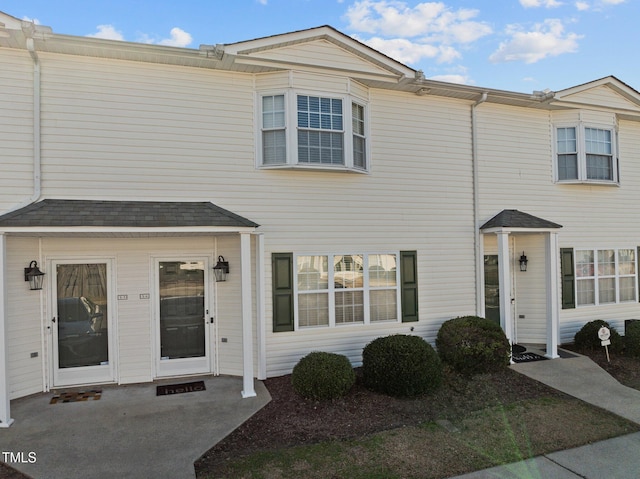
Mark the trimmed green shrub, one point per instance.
(632, 339)
(587, 338)
(473, 345)
(401, 365)
(321, 375)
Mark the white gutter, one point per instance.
(29, 29)
(476, 209)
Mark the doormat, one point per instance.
(76, 396)
(168, 389)
(527, 358)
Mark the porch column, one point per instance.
(504, 280)
(5, 413)
(247, 322)
(553, 295)
(260, 302)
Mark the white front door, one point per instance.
(82, 333)
(182, 318)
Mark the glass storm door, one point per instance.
(491, 288)
(81, 325)
(182, 315)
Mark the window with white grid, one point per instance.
(605, 276)
(342, 289)
(313, 131)
(585, 154)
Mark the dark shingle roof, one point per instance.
(518, 219)
(138, 214)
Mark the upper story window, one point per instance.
(586, 154)
(316, 131)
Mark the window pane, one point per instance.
(349, 307)
(320, 147)
(348, 271)
(274, 147)
(312, 273)
(313, 309)
(606, 262)
(627, 261)
(628, 289)
(599, 167)
(584, 263)
(607, 290)
(567, 142)
(382, 270)
(568, 167)
(273, 111)
(586, 291)
(597, 141)
(383, 305)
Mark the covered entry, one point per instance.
(129, 294)
(524, 297)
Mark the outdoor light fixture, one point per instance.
(523, 262)
(34, 276)
(221, 269)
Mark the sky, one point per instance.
(514, 45)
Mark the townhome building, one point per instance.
(225, 210)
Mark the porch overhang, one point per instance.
(122, 219)
(510, 222)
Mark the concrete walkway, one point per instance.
(617, 458)
(129, 433)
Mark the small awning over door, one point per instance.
(53, 213)
(509, 222)
(518, 219)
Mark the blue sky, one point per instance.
(516, 45)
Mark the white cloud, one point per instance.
(430, 19)
(409, 52)
(179, 38)
(453, 78)
(107, 32)
(540, 3)
(408, 34)
(545, 40)
(582, 6)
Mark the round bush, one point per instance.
(473, 345)
(321, 375)
(632, 339)
(587, 338)
(401, 365)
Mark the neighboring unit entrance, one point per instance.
(182, 317)
(82, 336)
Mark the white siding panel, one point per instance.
(320, 53)
(409, 202)
(24, 321)
(16, 127)
(602, 96)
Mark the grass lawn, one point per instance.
(469, 424)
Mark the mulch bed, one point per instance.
(291, 420)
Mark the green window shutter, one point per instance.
(282, 273)
(567, 271)
(409, 285)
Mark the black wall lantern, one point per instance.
(221, 269)
(523, 262)
(34, 276)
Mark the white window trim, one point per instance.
(582, 156)
(596, 277)
(291, 128)
(331, 290)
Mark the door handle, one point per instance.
(53, 320)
